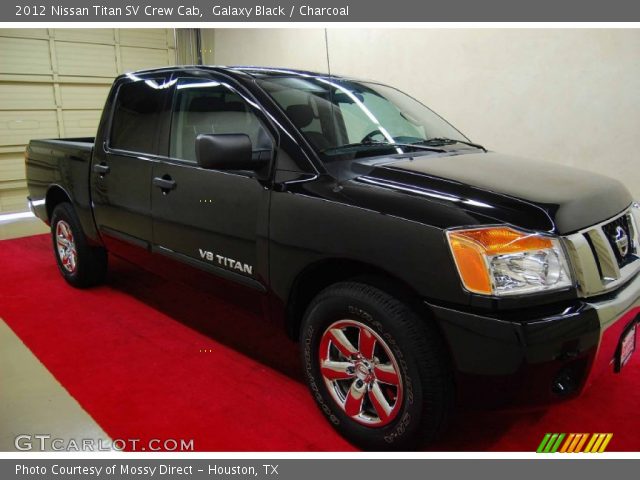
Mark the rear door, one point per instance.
(122, 165)
(214, 220)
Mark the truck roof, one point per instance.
(241, 70)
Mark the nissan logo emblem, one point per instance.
(621, 240)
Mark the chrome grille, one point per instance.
(619, 234)
(598, 262)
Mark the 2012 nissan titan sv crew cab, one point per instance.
(418, 270)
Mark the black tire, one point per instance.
(426, 385)
(90, 266)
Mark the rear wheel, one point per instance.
(378, 371)
(81, 264)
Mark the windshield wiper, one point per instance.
(449, 141)
(384, 144)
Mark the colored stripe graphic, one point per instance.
(574, 443)
(568, 442)
(556, 445)
(591, 442)
(573, 448)
(596, 445)
(606, 441)
(550, 443)
(582, 442)
(599, 443)
(544, 441)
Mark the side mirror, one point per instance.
(228, 151)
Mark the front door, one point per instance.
(214, 220)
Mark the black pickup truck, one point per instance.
(418, 270)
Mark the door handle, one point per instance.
(101, 169)
(166, 183)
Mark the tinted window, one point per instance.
(136, 116)
(209, 107)
(346, 119)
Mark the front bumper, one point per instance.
(501, 361)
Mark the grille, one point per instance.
(618, 234)
(600, 261)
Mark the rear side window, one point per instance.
(136, 116)
(210, 107)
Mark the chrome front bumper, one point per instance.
(599, 276)
(615, 315)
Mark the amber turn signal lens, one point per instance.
(471, 265)
(472, 248)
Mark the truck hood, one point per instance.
(530, 194)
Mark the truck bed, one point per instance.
(64, 144)
(63, 163)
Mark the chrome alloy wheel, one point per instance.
(361, 373)
(66, 246)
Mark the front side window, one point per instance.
(347, 119)
(210, 107)
(136, 116)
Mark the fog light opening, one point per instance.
(566, 382)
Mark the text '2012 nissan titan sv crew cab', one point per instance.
(418, 270)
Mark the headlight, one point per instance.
(504, 261)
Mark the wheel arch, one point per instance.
(55, 196)
(319, 275)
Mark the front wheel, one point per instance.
(378, 371)
(81, 264)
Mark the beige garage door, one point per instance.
(54, 82)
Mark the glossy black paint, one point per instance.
(225, 152)
(510, 360)
(533, 195)
(122, 197)
(301, 226)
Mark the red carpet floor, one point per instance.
(131, 354)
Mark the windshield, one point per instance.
(345, 119)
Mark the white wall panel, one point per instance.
(80, 123)
(13, 200)
(146, 37)
(55, 82)
(24, 55)
(18, 127)
(11, 166)
(87, 60)
(26, 96)
(24, 32)
(84, 96)
(86, 35)
(134, 58)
